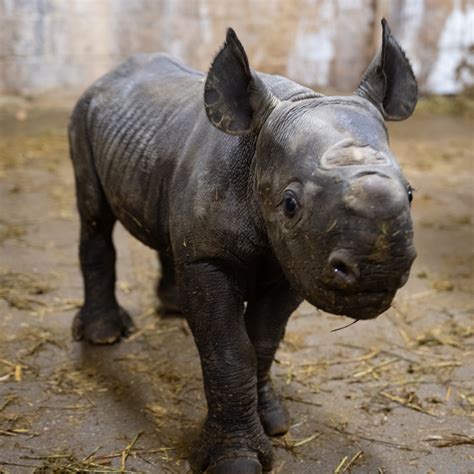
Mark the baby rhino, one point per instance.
(257, 193)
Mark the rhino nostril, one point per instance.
(344, 271)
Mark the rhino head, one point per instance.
(333, 199)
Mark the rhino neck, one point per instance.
(254, 205)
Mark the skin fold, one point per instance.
(257, 193)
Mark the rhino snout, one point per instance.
(343, 271)
(374, 194)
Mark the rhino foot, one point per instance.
(102, 327)
(221, 452)
(273, 414)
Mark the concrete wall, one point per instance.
(48, 45)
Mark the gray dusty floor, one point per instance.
(393, 395)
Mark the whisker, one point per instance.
(346, 326)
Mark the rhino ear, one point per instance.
(389, 81)
(236, 100)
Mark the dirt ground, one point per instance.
(394, 395)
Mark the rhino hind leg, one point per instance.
(100, 320)
(167, 289)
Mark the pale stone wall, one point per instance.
(48, 45)
(438, 36)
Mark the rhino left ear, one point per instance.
(389, 81)
(236, 100)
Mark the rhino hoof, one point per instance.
(102, 327)
(276, 422)
(272, 412)
(236, 466)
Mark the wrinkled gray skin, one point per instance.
(264, 192)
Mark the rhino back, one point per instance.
(138, 116)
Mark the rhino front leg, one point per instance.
(266, 319)
(232, 440)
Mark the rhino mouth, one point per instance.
(361, 305)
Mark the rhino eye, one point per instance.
(410, 193)
(290, 204)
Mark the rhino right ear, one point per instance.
(236, 100)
